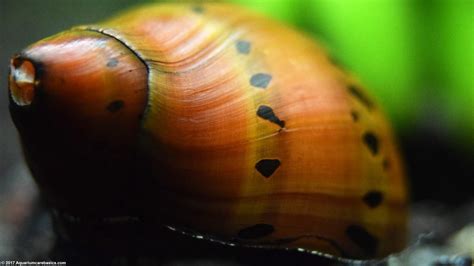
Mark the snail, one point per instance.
(213, 120)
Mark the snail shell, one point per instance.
(224, 123)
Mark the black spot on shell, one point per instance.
(373, 198)
(372, 142)
(256, 231)
(243, 47)
(115, 106)
(361, 96)
(366, 241)
(267, 167)
(267, 113)
(112, 62)
(198, 9)
(260, 80)
(355, 116)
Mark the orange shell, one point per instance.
(252, 134)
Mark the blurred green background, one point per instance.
(416, 57)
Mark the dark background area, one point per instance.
(434, 116)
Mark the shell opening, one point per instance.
(22, 81)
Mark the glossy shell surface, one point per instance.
(250, 133)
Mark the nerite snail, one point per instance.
(225, 123)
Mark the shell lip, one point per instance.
(233, 242)
(140, 221)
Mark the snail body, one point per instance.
(225, 123)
